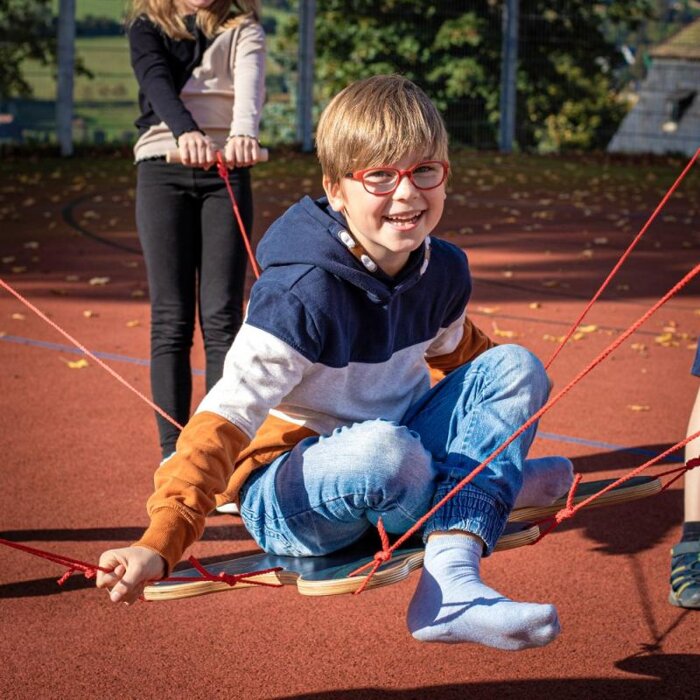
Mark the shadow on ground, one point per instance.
(652, 676)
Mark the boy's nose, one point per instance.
(405, 188)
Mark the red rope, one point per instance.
(223, 173)
(570, 509)
(90, 570)
(229, 579)
(624, 257)
(81, 347)
(74, 565)
(378, 559)
(535, 417)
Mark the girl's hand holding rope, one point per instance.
(242, 151)
(196, 149)
(131, 568)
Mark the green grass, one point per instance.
(106, 105)
(112, 9)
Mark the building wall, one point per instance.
(649, 128)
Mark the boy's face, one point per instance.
(390, 226)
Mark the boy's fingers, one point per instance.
(107, 580)
(115, 570)
(129, 587)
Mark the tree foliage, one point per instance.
(566, 80)
(26, 32)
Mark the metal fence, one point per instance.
(652, 103)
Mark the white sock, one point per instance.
(544, 481)
(452, 605)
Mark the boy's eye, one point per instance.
(427, 169)
(379, 176)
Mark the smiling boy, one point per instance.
(324, 419)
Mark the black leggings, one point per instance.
(195, 256)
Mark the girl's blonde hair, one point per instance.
(220, 15)
(378, 121)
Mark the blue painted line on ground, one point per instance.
(60, 347)
(606, 446)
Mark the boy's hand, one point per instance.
(131, 569)
(241, 151)
(196, 149)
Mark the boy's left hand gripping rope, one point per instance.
(90, 570)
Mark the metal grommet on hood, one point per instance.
(347, 239)
(368, 263)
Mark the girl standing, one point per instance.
(200, 66)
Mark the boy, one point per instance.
(324, 419)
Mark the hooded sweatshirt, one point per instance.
(328, 340)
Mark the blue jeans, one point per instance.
(327, 491)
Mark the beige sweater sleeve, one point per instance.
(248, 65)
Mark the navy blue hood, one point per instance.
(308, 234)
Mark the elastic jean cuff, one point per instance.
(471, 510)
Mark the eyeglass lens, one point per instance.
(424, 176)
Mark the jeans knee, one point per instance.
(522, 365)
(389, 455)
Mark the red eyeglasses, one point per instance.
(426, 175)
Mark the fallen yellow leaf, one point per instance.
(78, 364)
(503, 333)
(637, 408)
(666, 340)
(535, 305)
(133, 324)
(591, 328)
(487, 309)
(18, 317)
(89, 314)
(99, 281)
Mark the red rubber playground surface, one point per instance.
(79, 450)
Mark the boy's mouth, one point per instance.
(404, 220)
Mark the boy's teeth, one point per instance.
(403, 218)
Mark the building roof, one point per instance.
(685, 44)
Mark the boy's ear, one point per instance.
(334, 194)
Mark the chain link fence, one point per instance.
(636, 93)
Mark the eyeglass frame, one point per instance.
(359, 176)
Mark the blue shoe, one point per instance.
(685, 575)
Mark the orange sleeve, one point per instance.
(186, 484)
(473, 342)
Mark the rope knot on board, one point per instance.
(234, 579)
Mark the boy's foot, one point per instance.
(228, 509)
(452, 605)
(685, 575)
(545, 479)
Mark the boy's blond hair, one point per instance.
(211, 20)
(378, 121)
